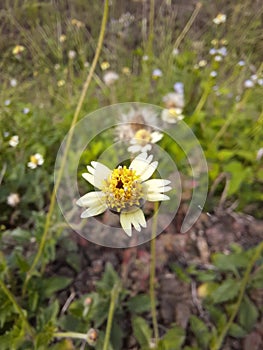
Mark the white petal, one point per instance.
(91, 169)
(101, 173)
(157, 185)
(93, 211)
(156, 136)
(148, 171)
(134, 148)
(91, 199)
(135, 218)
(146, 148)
(89, 178)
(126, 223)
(155, 197)
(143, 166)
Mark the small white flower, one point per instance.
(136, 119)
(220, 18)
(260, 153)
(172, 115)
(13, 82)
(202, 63)
(179, 87)
(218, 58)
(14, 141)
(7, 102)
(174, 100)
(248, 83)
(222, 51)
(13, 199)
(57, 66)
(213, 74)
(145, 58)
(212, 51)
(175, 52)
(143, 140)
(124, 190)
(260, 82)
(72, 54)
(157, 73)
(241, 63)
(110, 78)
(26, 110)
(254, 77)
(35, 160)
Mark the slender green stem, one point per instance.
(152, 273)
(16, 306)
(244, 282)
(68, 143)
(201, 102)
(188, 25)
(151, 29)
(73, 335)
(114, 297)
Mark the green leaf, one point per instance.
(142, 331)
(173, 339)
(248, 314)
(236, 331)
(228, 290)
(230, 262)
(54, 284)
(109, 279)
(138, 304)
(236, 169)
(201, 332)
(257, 278)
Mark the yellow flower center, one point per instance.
(143, 137)
(33, 160)
(123, 189)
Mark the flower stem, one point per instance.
(244, 282)
(152, 273)
(16, 307)
(188, 25)
(73, 335)
(68, 143)
(114, 297)
(151, 29)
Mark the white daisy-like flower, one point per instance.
(222, 51)
(13, 199)
(220, 18)
(218, 58)
(172, 115)
(35, 160)
(241, 63)
(174, 100)
(143, 140)
(14, 141)
(110, 78)
(213, 74)
(124, 190)
(133, 121)
(72, 54)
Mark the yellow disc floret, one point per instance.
(123, 189)
(143, 137)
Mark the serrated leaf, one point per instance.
(173, 339)
(201, 331)
(248, 314)
(139, 303)
(228, 290)
(142, 331)
(236, 331)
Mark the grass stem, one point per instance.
(68, 143)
